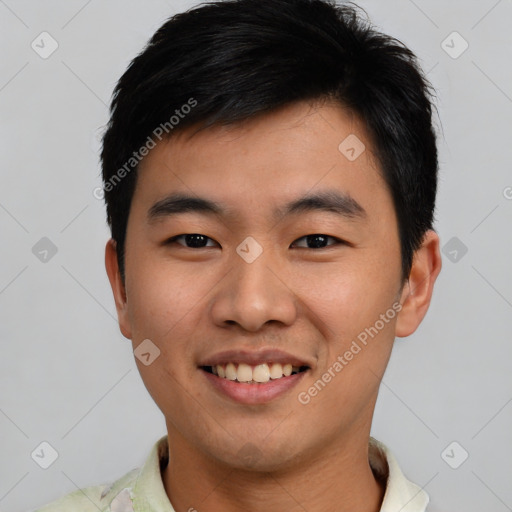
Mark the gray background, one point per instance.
(68, 377)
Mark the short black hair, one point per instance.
(224, 62)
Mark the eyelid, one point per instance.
(337, 240)
(174, 239)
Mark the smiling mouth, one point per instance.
(257, 374)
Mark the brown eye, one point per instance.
(192, 240)
(317, 241)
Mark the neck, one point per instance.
(338, 479)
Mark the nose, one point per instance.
(254, 294)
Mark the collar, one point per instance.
(401, 495)
(148, 494)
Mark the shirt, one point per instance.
(142, 490)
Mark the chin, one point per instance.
(257, 457)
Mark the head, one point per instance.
(266, 129)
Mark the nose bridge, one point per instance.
(253, 293)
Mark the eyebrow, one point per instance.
(331, 201)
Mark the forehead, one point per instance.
(270, 160)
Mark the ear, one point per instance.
(118, 288)
(417, 292)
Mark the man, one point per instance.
(270, 173)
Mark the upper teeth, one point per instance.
(259, 373)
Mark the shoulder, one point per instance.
(95, 498)
(135, 490)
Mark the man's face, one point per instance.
(255, 288)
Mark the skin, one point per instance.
(310, 302)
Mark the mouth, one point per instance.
(253, 377)
(254, 374)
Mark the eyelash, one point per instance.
(337, 240)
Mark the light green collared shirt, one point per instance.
(142, 490)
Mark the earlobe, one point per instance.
(417, 292)
(118, 288)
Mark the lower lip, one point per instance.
(253, 394)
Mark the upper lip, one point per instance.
(254, 358)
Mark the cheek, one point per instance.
(348, 307)
(164, 303)
(162, 296)
(349, 295)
